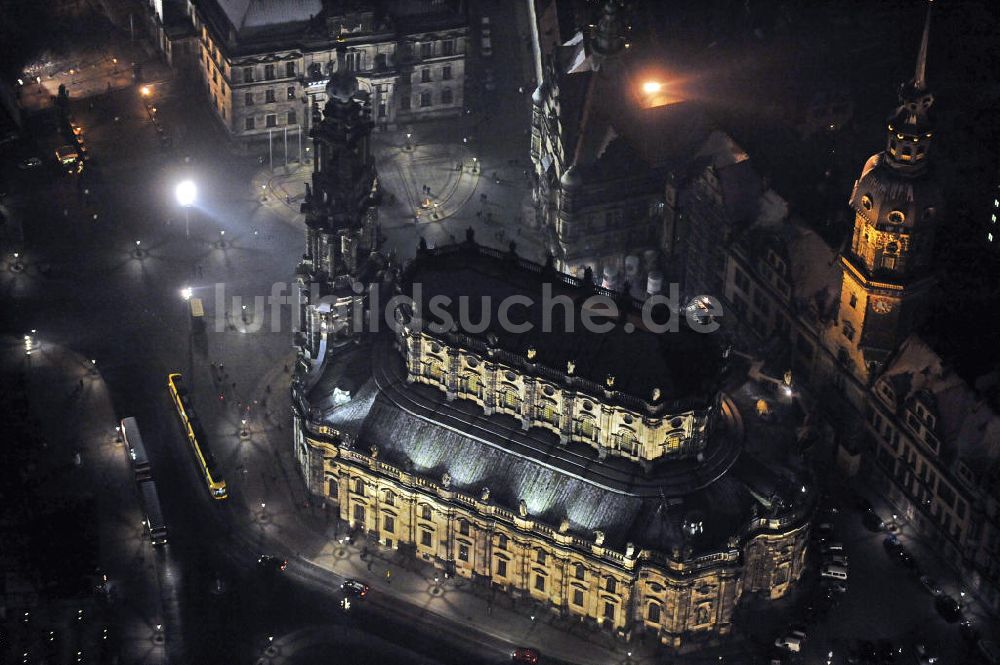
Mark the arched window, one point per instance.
(702, 615)
(581, 572)
(359, 486)
(653, 612)
(425, 512)
(611, 585)
(463, 527)
(540, 557)
(390, 498)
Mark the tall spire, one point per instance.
(919, 80)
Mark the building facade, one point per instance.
(265, 65)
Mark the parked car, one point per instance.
(838, 559)
(833, 571)
(948, 608)
(791, 641)
(930, 584)
(872, 521)
(524, 655)
(840, 586)
(29, 163)
(354, 588)
(833, 548)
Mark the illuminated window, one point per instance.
(989, 237)
(463, 552)
(993, 218)
(866, 201)
(896, 217)
(854, 301)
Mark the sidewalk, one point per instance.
(63, 382)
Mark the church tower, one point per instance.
(341, 217)
(887, 272)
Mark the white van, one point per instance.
(834, 572)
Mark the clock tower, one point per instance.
(887, 272)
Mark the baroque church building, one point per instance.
(600, 475)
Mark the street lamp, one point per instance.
(138, 249)
(652, 87)
(186, 194)
(186, 293)
(145, 90)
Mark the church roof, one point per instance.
(414, 427)
(683, 365)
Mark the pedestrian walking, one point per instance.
(267, 388)
(234, 385)
(388, 576)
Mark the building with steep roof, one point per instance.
(935, 453)
(266, 63)
(524, 428)
(605, 139)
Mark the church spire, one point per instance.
(910, 129)
(919, 76)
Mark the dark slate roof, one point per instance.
(414, 427)
(684, 365)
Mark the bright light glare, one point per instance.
(186, 293)
(186, 193)
(145, 91)
(652, 87)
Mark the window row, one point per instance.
(426, 99)
(271, 120)
(426, 75)
(270, 97)
(249, 73)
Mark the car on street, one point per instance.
(833, 572)
(355, 588)
(271, 564)
(524, 655)
(929, 583)
(791, 641)
(872, 521)
(948, 608)
(840, 586)
(833, 548)
(29, 163)
(837, 559)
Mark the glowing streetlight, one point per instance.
(652, 87)
(186, 293)
(146, 91)
(186, 193)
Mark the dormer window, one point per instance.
(896, 217)
(866, 201)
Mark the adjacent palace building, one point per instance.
(600, 475)
(265, 64)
